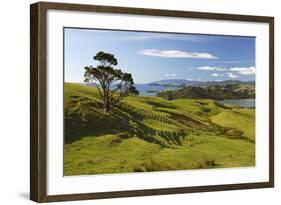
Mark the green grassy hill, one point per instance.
(216, 92)
(153, 134)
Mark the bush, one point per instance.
(222, 105)
(202, 102)
(139, 168)
(152, 165)
(124, 135)
(206, 163)
(206, 109)
(234, 132)
(119, 137)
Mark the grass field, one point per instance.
(153, 134)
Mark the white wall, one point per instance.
(14, 101)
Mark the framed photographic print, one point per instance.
(134, 102)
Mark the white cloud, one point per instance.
(213, 68)
(235, 61)
(231, 75)
(176, 54)
(170, 75)
(244, 70)
(216, 75)
(239, 70)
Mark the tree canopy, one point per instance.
(112, 84)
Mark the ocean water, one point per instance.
(250, 103)
(145, 89)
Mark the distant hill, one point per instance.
(216, 92)
(176, 82)
(184, 82)
(151, 89)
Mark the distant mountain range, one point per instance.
(151, 89)
(184, 82)
(216, 92)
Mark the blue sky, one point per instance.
(157, 56)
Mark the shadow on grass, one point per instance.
(85, 117)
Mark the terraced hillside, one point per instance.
(153, 134)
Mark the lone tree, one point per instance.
(112, 84)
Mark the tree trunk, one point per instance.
(106, 105)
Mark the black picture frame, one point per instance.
(38, 103)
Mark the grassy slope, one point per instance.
(243, 119)
(152, 134)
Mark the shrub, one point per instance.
(206, 163)
(234, 132)
(152, 165)
(206, 109)
(139, 168)
(124, 135)
(119, 137)
(115, 140)
(222, 105)
(202, 102)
